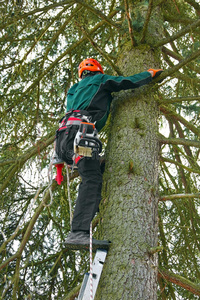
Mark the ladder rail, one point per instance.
(97, 267)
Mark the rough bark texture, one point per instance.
(129, 203)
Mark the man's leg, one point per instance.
(87, 204)
(89, 195)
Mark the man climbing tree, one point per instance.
(93, 95)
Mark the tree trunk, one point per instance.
(130, 193)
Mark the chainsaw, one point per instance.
(86, 142)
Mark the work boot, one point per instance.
(78, 240)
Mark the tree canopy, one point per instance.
(42, 44)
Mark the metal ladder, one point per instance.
(98, 262)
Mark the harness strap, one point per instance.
(73, 121)
(77, 158)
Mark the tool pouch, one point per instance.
(65, 135)
(65, 141)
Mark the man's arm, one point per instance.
(118, 83)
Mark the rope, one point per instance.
(69, 198)
(91, 270)
(50, 175)
(50, 178)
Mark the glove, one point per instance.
(155, 73)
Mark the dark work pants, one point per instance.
(89, 194)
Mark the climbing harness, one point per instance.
(75, 138)
(65, 134)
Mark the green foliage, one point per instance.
(42, 43)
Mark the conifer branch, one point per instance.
(15, 18)
(179, 196)
(148, 15)
(17, 232)
(188, 155)
(178, 34)
(16, 278)
(9, 285)
(86, 33)
(180, 281)
(179, 99)
(191, 81)
(133, 40)
(178, 57)
(97, 12)
(178, 141)
(172, 43)
(181, 64)
(187, 149)
(171, 161)
(56, 62)
(194, 4)
(181, 20)
(61, 29)
(154, 250)
(43, 31)
(171, 177)
(29, 228)
(73, 293)
(177, 154)
(43, 261)
(167, 111)
(18, 164)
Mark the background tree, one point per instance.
(42, 43)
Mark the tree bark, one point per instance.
(130, 193)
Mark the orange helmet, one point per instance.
(89, 64)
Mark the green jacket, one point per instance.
(93, 93)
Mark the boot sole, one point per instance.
(86, 247)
